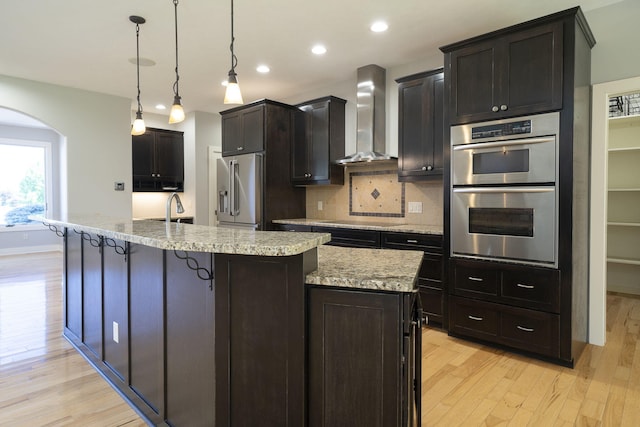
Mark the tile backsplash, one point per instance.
(372, 193)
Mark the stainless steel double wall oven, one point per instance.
(504, 190)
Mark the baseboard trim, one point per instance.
(30, 249)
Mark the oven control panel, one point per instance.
(501, 129)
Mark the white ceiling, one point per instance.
(88, 44)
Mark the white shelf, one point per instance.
(624, 189)
(622, 121)
(626, 261)
(623, 149)
(624, 224)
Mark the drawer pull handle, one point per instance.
(476, 279)
(522, 328)
(411, 241)
(479, 319)
(520, 285)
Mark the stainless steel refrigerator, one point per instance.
(240, 191)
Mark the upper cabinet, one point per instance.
(513, 74)
(420, 125)
(243, 130)
(158, 160)
(318, 142)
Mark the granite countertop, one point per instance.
(195, 238)
(378, 269)
(364, 225)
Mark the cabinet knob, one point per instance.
(429, 167)
(503, 107)
(240, 148)
(495, 109)
(424, 168)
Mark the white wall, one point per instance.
(96, 150)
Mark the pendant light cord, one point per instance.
(176, 88)
(234, 59)
(138, 64)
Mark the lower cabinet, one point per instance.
(260, 340)
(363, 359)
(92, 297)
(190, 361)
(73, 283)
(511, 305)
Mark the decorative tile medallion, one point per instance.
(376, 193)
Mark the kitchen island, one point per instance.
(198, 325)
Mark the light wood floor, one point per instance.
(44, 382)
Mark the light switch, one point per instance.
(319, 205)
(415, 207)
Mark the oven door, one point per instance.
(506, 223)
(517, 161)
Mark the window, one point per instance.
(25, 182)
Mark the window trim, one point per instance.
(48, 179)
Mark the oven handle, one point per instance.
(511, 143)
(505, 190)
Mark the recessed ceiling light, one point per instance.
(263, 69)
(379, 27)
(319, 49)
(161, 107)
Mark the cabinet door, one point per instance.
(473, 76)
(252, 130)
(300, 148)
(190, 349)
(231, 133)
(169, 155)
(421, 127)
(146, 325)
(143, 155)
(319, 140)
(531, 71)
(354, 358)
(92, 293)
(116, 312)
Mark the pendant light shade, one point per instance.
(232, 94)
(177, 112)
(138, 127)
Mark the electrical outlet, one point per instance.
(118, 186)
(415, 207)
(116, 338)
(319, 205)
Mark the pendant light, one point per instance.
(138, 127)
(177, 112)
(232, 94)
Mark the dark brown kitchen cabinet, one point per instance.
(243, 129)
(190, 367)
(146, 325)
(350, 237)
(517, 73)
(260, 339)
(431, 286)
(158, 160)
(361, 358)
(116, 307)
(73, 282)
(92, 296)
(420, 125)
(318, 142)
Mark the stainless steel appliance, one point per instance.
(240, 192)
(504, 198)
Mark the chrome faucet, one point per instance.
(179, 208)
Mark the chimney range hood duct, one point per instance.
(370, 115)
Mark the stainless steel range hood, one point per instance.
(370, 115)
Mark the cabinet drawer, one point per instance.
(431, 300)
(474, 318)
(291, 227)
(351, 238)
(430, 273)
(474, 279)
(412, 241)
(530, 330)
(533, 288)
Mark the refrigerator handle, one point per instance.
(231, 187)
(235, 201)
